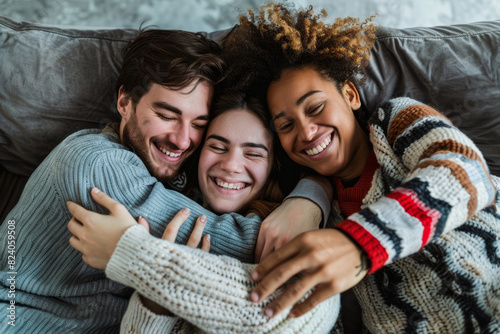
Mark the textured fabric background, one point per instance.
(209, 15)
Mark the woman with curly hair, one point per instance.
(415, 224)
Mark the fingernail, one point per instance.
(291, 315)
(254, 296)
(140, 217)
(95, 190)
(185, 211)
(208, 237)
(203, 218)
(255, 275)
(269, 312)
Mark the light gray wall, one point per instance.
(209, 15)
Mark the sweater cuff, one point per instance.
(314, 192)
(125, 252)
(374, 250)
(138, 319)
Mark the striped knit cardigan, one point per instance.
(429, 221)
(427, 225)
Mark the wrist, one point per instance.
(154, 307)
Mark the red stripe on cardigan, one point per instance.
(414, 207)
(373, 248)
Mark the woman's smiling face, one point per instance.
(315, 122)
(235, 161)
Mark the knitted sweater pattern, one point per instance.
(206, 293)
(56, 292)
(429, 223)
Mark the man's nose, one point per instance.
(180, 137)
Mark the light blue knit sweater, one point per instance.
(55, 291)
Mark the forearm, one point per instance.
(318, 190)
(211, 292)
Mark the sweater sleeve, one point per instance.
(210, 292)
(98, 160)
(438, 176)
(138, 319)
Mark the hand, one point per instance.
(170, 234)
(327, 260)
(294, 216)
(96, 235)
(175, 224)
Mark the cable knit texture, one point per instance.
(210, 292)
(433, 195)
(56, 292)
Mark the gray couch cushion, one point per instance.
(456, 69)
(55, 81)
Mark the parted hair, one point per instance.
(277, 38)
(171, 58)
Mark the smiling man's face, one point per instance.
(166, 126)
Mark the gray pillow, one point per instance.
(55, 81)
(456, 69)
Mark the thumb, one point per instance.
(142, 221)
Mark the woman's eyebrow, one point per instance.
(298, 103)
(305, 96)
(217, 137)
(256, 145)
(247, 144)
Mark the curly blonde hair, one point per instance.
(265, 44)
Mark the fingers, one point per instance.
(75, 227)
(275, 259)
(194, 239)
(205, 243)
(76, 244)
(292, 294)
(106, 201)
(173, 227)
(77, 211)
(320, 294)
(142, 221)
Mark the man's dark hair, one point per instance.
(171, 58)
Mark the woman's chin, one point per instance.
(222, 208)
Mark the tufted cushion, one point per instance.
(55, 81)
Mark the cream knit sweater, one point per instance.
(209, 292)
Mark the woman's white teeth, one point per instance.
(232, 186)
(320, 147)
(170, 154)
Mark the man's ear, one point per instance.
(351, 95)
(124, 104)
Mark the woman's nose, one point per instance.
(232, 163)
(307, 130)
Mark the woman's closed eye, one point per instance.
(217, 148)
(316, 110)
(254, 155)
(284, 126)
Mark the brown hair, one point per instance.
(171, 58)
(278, 38)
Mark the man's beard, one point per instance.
(135, 141)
